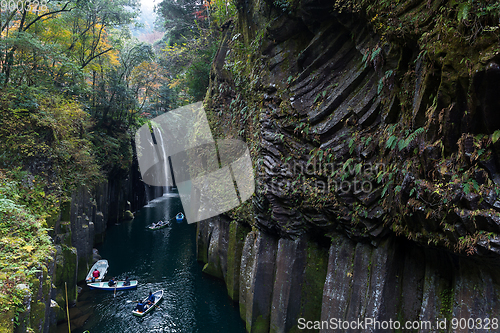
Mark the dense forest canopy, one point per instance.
(84, 52)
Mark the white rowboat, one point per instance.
(118, 286)
(102, 267)
(149, 307)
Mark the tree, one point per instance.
(182, 20)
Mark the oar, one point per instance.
(116, 285)
(67, 308)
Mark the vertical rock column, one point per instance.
(237, 234)
(213, 267)
(287, 289)
(101, 212)
(214, 238)
(82, 237)
(259, 277)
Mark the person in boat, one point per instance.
(95, 274)
(140, 307)
(111, 282)
(151, 298)
(127, 281)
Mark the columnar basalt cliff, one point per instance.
(374, 138)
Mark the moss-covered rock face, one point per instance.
(66, 271)
(128, 215)
(372, 126)
(371, 118)
(7, 322)
(237, 234)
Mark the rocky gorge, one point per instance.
(80, 224)
(373, 134)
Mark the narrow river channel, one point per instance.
(162, 259)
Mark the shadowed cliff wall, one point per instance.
(373, 137)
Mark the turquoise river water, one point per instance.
(162, 259)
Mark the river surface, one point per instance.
(162, 259)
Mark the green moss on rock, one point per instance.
(237, 233)
(7, 321)
(261, 325)
(210, 269)
(37, 316)
(314, 279)
(66, 210)
(66, 259)
(83, 267)
(128, 215)
(201, 242)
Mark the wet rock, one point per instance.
(487, 221)
(202, 240)
(360, 282)
(471, 201)
(437, 286)
(213, 265)
(246, 273)
(287, 289)
(259, 296)
(466, 217)
(475, 291)
(339, 279)
(128, 215)
(489, 246)
(237, 234)
(66, 271)
(383, 277)
(23, 319)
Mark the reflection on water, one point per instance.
(162, 259)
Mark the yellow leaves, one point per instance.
(174, 83)
(28, 248)
(113, 57)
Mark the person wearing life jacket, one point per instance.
(95, 274)
(140, 307)
(111, 282)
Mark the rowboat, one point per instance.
(102, 267)
(118, 286)
(149, 307)
(158, 225)
(179, 217)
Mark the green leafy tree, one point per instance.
(182, 19)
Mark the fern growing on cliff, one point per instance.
(403, 143)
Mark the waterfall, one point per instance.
(164, 159)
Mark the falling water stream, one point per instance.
(164, 158)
